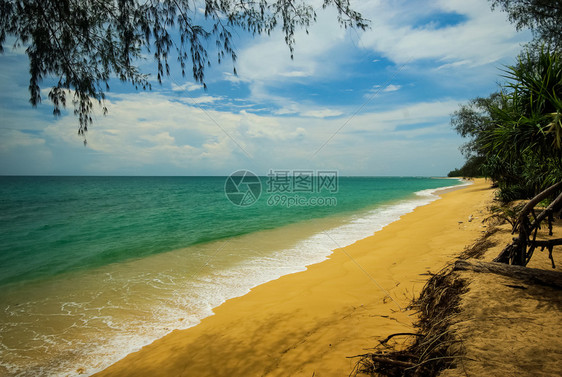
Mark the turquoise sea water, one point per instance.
(92, 268)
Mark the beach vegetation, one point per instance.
(84, 44)
(471, 169)
(516, 134)
(506, 212)
(542, 17)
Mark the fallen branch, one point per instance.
(553, 207)
(526, 274)
(536, 200)
(520, 251)
(384, 341)
(548, 243)
(385, 360)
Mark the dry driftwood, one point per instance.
(520, 251)
(526, 274)
(536, 200)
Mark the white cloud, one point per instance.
(201, 100)
(282, 123)
(14, 139)
(147, 131)
(376, 90)
(322, 113)
(485, 37)
(391, 88)
(160, 139)
(235, 79)
(188, 86)
(401, 32)
(23, 153)
(266, 62)
(296, 74)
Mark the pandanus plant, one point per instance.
(526, 139)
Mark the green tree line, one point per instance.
(515, 134)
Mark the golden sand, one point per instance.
(309, 323)
(506, 325)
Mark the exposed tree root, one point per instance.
(528, 222)
(434, 348)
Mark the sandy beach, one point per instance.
(310, 323)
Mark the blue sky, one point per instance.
(363, 103)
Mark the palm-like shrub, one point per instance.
(523, 143)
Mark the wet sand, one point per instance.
(309, 323)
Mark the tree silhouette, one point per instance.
(542, 17)
(85, 43)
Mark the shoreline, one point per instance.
(311, 321)
(162, 293)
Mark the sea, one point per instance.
(94, 268)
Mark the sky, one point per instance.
(365, 103)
